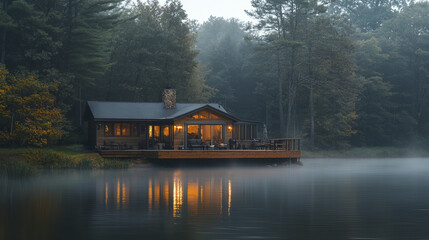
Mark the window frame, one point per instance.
(121, 124)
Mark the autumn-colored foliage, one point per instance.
(28, 114)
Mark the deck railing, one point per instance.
(289, 144)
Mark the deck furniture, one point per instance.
(222, 146)
(196, 144)
(111, 146)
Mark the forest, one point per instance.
(336, 73)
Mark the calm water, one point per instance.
(324, 199)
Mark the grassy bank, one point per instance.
(367, 152)
(18, 162)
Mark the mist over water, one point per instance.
(324, 199)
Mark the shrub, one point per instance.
(114, 163)
(85, 163)
(48, 159)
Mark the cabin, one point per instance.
(167, 125)
(179, 131)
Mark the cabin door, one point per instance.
(210, 134)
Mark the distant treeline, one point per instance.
(347, 73)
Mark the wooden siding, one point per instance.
(102, 140)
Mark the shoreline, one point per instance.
(76, 156)
(367, 152)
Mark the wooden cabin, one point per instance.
(165, 125)
(170, 130)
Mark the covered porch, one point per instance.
(135, 135)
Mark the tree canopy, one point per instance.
(336, 73)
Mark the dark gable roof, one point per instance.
(147, 110)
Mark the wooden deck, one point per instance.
(202, 154)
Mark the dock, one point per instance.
(201, 154)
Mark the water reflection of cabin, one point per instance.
(146, 125)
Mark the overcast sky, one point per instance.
(201, 10)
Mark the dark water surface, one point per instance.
(324, 199)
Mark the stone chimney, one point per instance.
(169, 98)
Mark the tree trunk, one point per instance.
(311, 100)
(280, 96)
(12, 122)
(291, 101)
(80, 104)
(3, 47)
(282, 35)
(291, 82)
(3, 40)
(311, 113)
(69, 35)
(267, 112)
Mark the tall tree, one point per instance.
(220, 43)
(368, 15)
(328, 59)
(85, 52)
(406, 39)
(154, 49)
(282, 22)
(28, 113)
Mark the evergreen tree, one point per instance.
(154, 49)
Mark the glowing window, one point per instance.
(108, 129)
(204, 115)
(117, 129)
(125, 129)
(156, 131)
(194, 132)
(150, 131)
(166, 131)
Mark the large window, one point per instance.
(159, 133)
(209, 134)
(205, 115)
(217, 134)
(121, 129)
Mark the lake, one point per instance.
(323, 199)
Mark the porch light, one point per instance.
(229, 128)
(178, 128)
